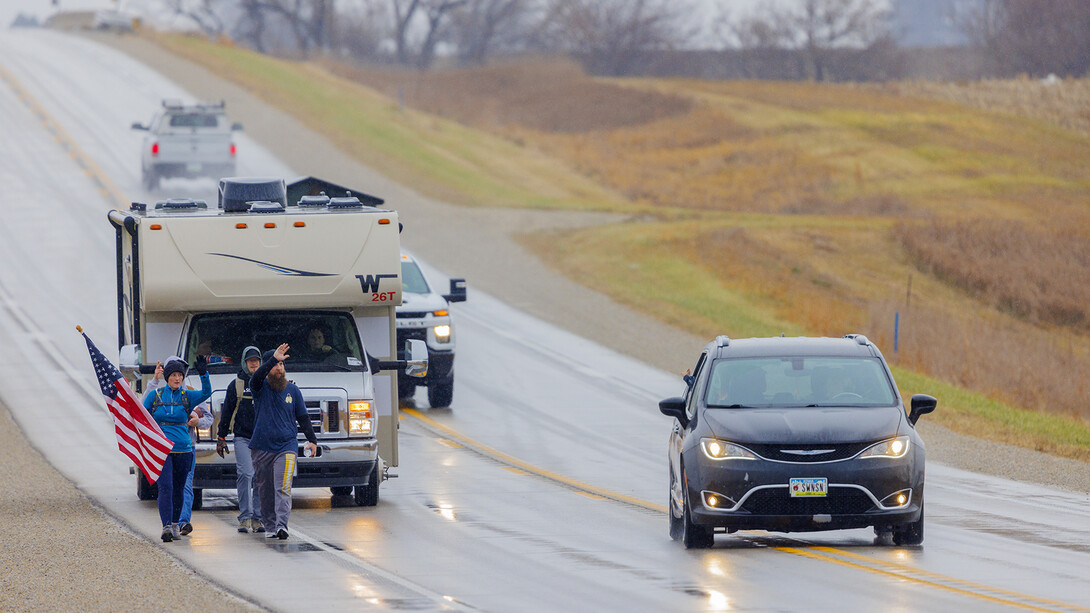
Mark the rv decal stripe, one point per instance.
(283, 270)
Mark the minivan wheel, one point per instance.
(694, 536)
(910, 534)
(676, 528)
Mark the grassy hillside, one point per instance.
(765, 208)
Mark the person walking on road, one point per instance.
(172, 408)
(237, 417)
(278, 406)
(202, 418)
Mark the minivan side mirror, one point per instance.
(674, 407)
(922, 404)
(457, 291)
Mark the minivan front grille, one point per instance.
(816, 452)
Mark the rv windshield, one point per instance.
(319, 340)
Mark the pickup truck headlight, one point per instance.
(442, 333)
(722, 450)
(892, 448)
(361, 419)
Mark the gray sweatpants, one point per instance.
(274, 473)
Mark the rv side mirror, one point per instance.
(129, 361)
(416, 364)
(921, 404)
(136, 125)
(236, 127)
(457, 291)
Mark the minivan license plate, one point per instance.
(808, 486)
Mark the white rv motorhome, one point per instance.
(257, 270)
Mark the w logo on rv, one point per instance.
(369, 283)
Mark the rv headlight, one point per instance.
(892, 448)
(442, 333)
(360, 418)
(204, 434)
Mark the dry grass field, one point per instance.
(810, 209)
(760, 208)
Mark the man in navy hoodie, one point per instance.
(278, 407)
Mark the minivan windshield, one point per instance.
(318, 340)
(798, 382)
(412, 280)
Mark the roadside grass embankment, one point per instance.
(767, 208)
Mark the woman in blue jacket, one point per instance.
(171, 407)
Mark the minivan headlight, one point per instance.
(716, 449)
(892, 448)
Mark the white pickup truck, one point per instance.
(187, 141)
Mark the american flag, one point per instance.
(138, 436)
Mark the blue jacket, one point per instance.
(277, 413)
(171, 409)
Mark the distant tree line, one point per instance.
(819, 40)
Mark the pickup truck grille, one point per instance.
(412, 333)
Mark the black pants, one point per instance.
(172, 486)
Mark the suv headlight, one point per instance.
(892, 448)
(360, 418)
(721, 450)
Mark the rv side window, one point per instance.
(318, 340)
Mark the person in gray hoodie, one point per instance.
(237, 417)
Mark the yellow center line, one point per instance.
(828, 554)
(957, 590)
(106, 186)
(938, 577)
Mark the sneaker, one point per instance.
(256, 525)
(175, 532)
(168, 535)
(282, 534)
(186, 529)
(270, 535)
(243, 526)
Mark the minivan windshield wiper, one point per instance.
(730, 406)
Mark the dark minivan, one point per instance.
(795, 434)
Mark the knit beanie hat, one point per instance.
(251, 352)
(173, 366)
